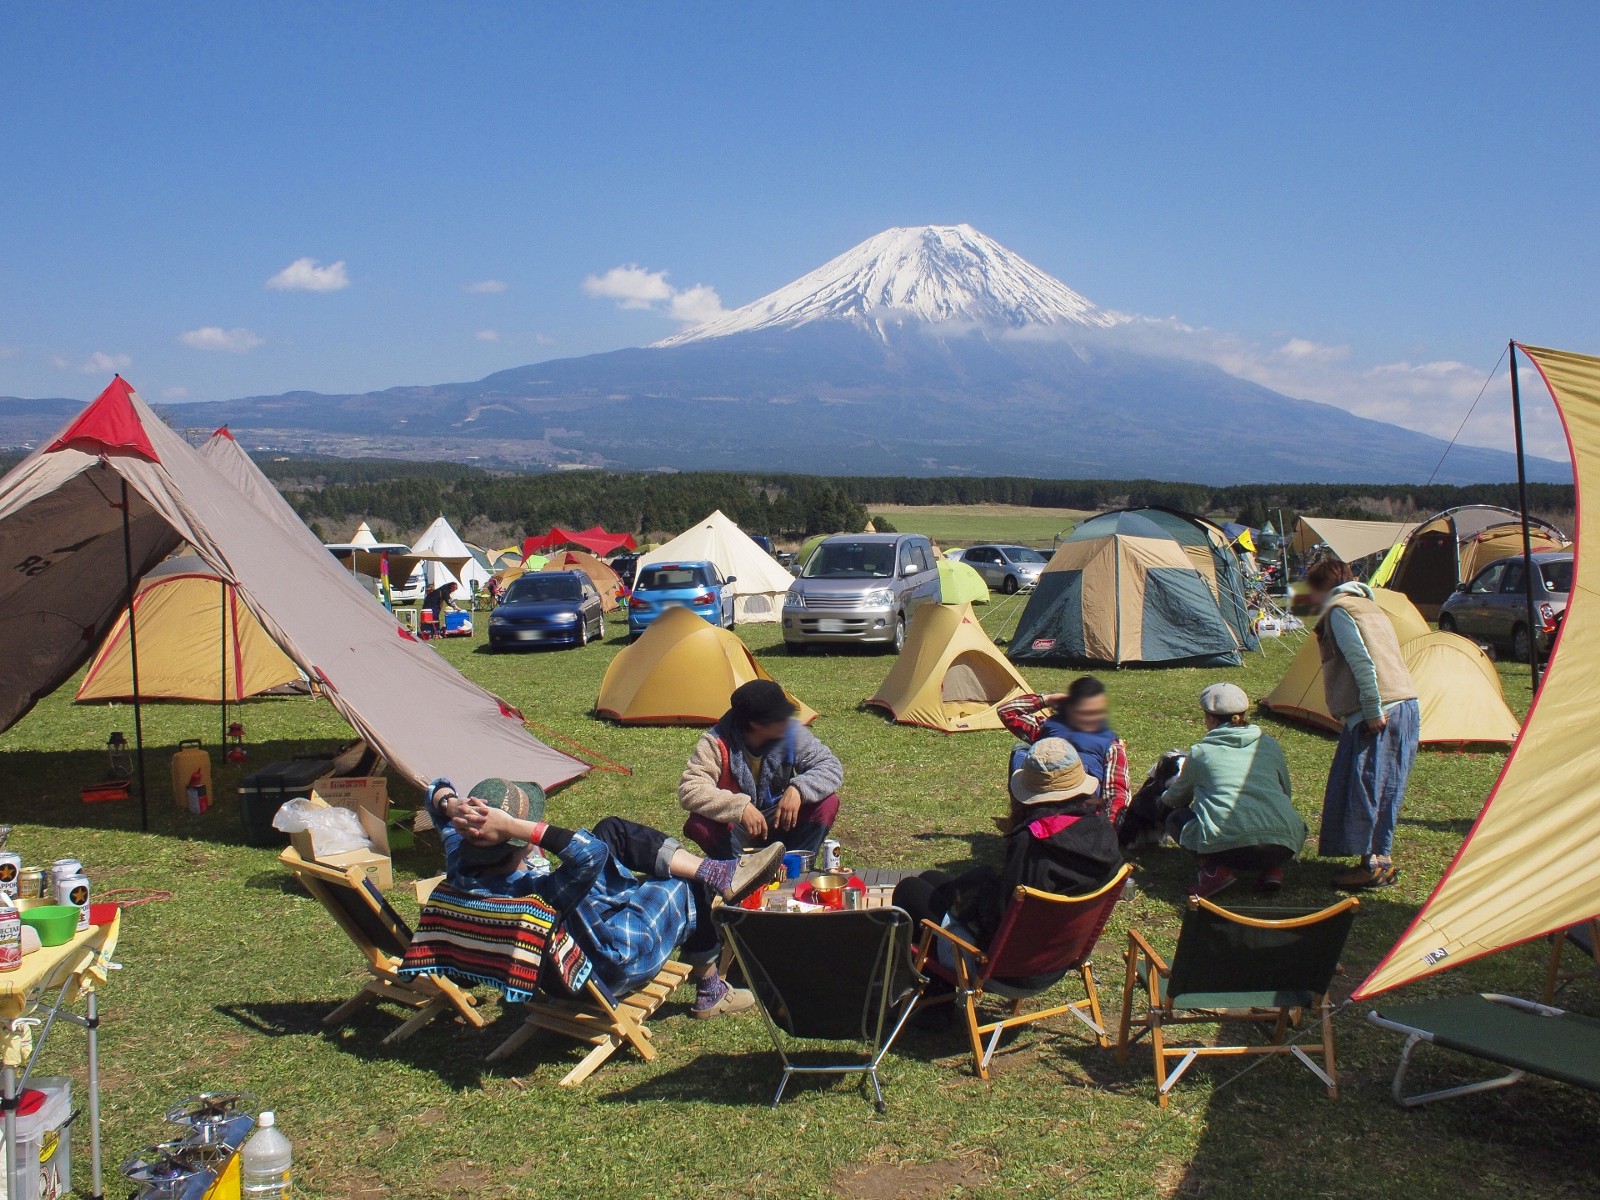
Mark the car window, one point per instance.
(1515, 579)
(909, 556)
(1023, 554)
(531, 589)
(851, 560)
(1488, 580)
(1557, 576)
(925, 557)
(663, 578)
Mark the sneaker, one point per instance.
(1213, 880)
(1270, 880)
(733, 1000)
(755, 870)
(1362, 879)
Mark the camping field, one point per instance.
(966, 524)
(224, 984)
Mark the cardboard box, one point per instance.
(369, 792)
(374, 861)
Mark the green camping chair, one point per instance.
(1260, 965)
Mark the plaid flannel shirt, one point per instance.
(1026, 717)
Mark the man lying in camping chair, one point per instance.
(628, 926)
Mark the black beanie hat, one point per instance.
(760, 702)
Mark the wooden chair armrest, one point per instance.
(1138, 945)
(967, 947)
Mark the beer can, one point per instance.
(829, 858)
(33, 883)
(10, 872)
(74, 890)
(64, 867)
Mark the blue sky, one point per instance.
(1356, 203)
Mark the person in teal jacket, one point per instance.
(1231, 802)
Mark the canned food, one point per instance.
(10, 872)
(64, 867)
(830, 857)
(32, 882)
(74, 890)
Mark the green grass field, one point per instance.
(225, 983)
(963, 525)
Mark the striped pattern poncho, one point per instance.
(501, 941)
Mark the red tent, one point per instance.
(594, 539)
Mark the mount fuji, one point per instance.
(923, 350)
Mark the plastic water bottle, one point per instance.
(265, 1162)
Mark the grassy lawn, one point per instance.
(963, 525)
(224, 985)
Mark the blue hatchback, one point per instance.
(697, 586)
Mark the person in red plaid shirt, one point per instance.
(1081, 716)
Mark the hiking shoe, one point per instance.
(755, 870)
(1362, 879)
(1270, 880)
(733, 1000)
(1213, 880)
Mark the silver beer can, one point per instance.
(63, 868)
(10, 872)
(829, 856)
(74, 890)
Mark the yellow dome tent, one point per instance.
(681, 672)
(191, 631)
(1458, 687)
(960, 583)
(950, 676)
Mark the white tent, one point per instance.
(448, 558)
(759, 582)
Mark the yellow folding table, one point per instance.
(32, 998)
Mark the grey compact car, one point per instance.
(1006, 569)
(860, 587)
(1493, 606)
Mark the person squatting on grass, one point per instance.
(1230, 803)
(758, 773)
(1079, 716)
(629, 895)
(1369, 689)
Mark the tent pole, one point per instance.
(133, 658)
(222, 678)
(1527, 531)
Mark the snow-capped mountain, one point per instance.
(927, 274)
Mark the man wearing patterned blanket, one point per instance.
(628, 894)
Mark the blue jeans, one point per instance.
(1367, 785)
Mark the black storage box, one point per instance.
(262, 793)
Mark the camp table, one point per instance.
(879, 881)
(69, 971)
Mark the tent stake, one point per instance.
(133, 658)
(1527, 532)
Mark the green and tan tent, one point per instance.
(950, 676)
(1144, 586)
(960, 584)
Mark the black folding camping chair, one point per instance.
(837, 976)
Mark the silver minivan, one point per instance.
(860, 587)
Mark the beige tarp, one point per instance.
(61, 529)
(1350, 540)
(950, 676)
(1458, 687)
(759, 581)
(681, 672)
(1529, 866)
(605, 580)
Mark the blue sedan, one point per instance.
(697, 586)
(547, 608)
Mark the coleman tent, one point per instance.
(1457, 686)
(196, 642)
(1527, 867)
(960, 584)
(949, 677)
(1452, 547)
(759, 583)
(680, 672)
(117, 491)
(1349, 540)
(447, 559)
(1138, 586)
(605, 580)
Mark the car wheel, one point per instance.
(899, 634)
(1447, 623)
(1009, 587)
(1521, 644)
(583, 634)
(601, 635)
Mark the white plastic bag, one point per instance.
(333, 830)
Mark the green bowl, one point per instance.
(55, 923)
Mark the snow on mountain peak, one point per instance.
(930, 274)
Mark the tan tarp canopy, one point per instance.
(1458, 687)
(1350, 540)
(60, 514)
(197, 641)
(949, 677)
(605, 580)
(681, 672)
(1529, 867)
(759, 581)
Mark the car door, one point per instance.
(590, 608)
(925, 579)
(724, 589)
(981, 559)
(1474, 617)
(1510, 603)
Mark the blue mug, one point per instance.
(796, 863)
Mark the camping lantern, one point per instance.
(236, 752)
(121, 766)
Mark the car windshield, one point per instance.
(660, 579)
(1021, 554)
(851, 560)
(1557, 576)
(531, 589)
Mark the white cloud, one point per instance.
(98, 363)
(543, 339)
(485, 287)
(487, 335)
(214, 337)
(635, 287)
(308, 275)
(175, 393)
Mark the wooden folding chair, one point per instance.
(1585, 935)
(382, 936)
(598, 1018)
(1261, 965)
(1041, 938)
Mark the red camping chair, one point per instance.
(1040, 935)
